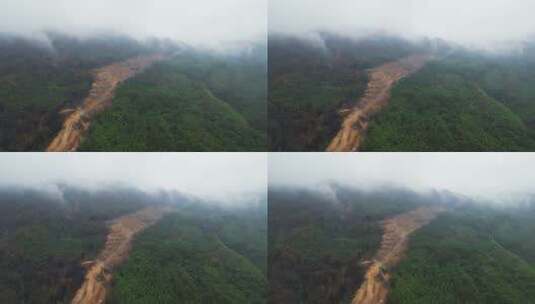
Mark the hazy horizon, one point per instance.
(490, 25)
(212, 176)
(496, 177)
(202, 23)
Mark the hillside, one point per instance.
(473, 254)
(40, 78)
(191, 102)
(311, 79)
(195, 258)
(335, 93)
(464, 102)
(45, 238)
(396, 246)
(319, 241)
(127, 246)
(194, 101)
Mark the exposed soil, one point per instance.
(374, 289)
(377, 95)
(116, 250)
(106, 80)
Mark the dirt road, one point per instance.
(374, 289)
(116, 250)
(106, 80)
(382, 79)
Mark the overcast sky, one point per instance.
(470, 22)
(199, 22)
(208, 175)
(485, 175)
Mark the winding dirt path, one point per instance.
(374, 289)
(106, 80)
(382, 79)
(116, 250)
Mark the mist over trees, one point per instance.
(322, 240)
(46, 233)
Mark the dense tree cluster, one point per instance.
(461, 103)
(193, 102)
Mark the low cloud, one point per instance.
(225, 177)
(477, 23)
(202, 23)
(497, 177)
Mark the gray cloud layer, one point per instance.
(480, 23)
(485, 175)
(199, 22)
(207, 175)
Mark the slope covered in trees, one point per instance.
(40, 78)
(464, 102)
(47, 235)
(311, 79)
(321, 243)
(192, 102)
(318, 240)
(195, 101)
(199, 252)
(473, 254)
(198, 255)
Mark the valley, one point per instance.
(381, 93)
(120, 245)
(191, 102)
(323, 94)
(116, 93)
(116, 249)
(106, 79)
(377, 95)
(465, 102)
(394, 245)
(324, 248)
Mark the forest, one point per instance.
(199, 255)
(317, 240)
(46, 235)
(41, 77)
(472, 254)
(465, 101)
(195, 100)
(475, 251)
(191, 102)
(311, 79)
